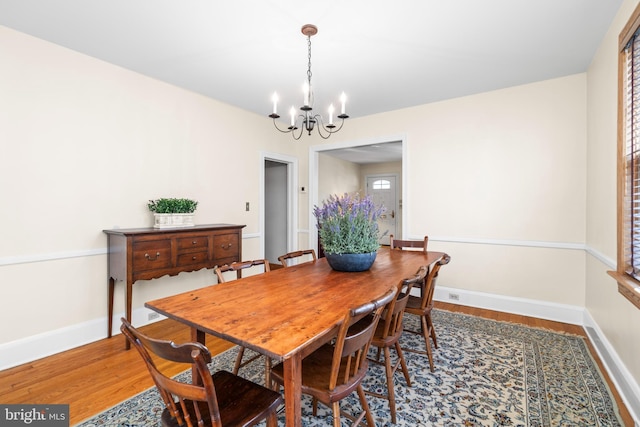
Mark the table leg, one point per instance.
(197, 336)
(293, 390)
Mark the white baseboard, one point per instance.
(526, 307)
(618, 372)
(35, 347)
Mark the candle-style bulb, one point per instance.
(343, 100)
(293, 115)
(274, 98)
(331, 109)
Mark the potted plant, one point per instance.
(172, 212)
(348, 228)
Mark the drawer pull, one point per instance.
(226, 247)
(152, 259)
(193, 258)
(195, 242)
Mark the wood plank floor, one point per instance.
(99, 375)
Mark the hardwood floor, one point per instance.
(99, 375)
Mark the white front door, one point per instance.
(382, 189)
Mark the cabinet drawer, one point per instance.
(226, 246)
(192, 258)
(193, 244)
(151, 255)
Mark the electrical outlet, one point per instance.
(153, 316)
(454, 297)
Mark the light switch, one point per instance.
(247, 208)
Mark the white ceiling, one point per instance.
(383, 55)
(367, 154)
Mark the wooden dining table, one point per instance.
(288, 313)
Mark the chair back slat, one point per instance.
(238, 267)
(408, 244)
(287, 258)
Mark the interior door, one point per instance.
(275, 210)
(382, 189)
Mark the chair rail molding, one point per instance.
(79, 253)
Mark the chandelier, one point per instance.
(306, 120)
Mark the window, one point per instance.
(628, 270)
(381, 184)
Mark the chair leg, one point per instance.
(427, 342)
(336, 413)
(432, 330)
(403, 364)
(391, 395)
(365, 406)
(267, 373)
(272, 419)
(236, 367)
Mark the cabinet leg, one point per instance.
(112, 284)
(127, 302)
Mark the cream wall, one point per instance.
(85, 144)
(616, 317)
(337, 176)
(498, 181)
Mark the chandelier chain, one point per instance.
(309, 67)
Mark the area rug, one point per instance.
(487, 373)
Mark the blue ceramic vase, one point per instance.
(351, 262)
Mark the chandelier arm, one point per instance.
(321, 127)
(289, 129)
(293, 134)
(339, 127)
(329, 130)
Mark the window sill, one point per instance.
(628, 287)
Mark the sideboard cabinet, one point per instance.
(148, 253)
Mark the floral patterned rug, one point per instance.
(487, 373)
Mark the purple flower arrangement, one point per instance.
(348, 224)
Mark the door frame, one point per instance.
(314, 152)
(292, 197)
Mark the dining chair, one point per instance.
(408, 244)
(387, 335)
(336, 369)
(218, 400)
(422, 307)
(309, 254)
(238, 267)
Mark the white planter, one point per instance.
(173, 220)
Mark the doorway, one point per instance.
(382, 150)
(279, 199)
